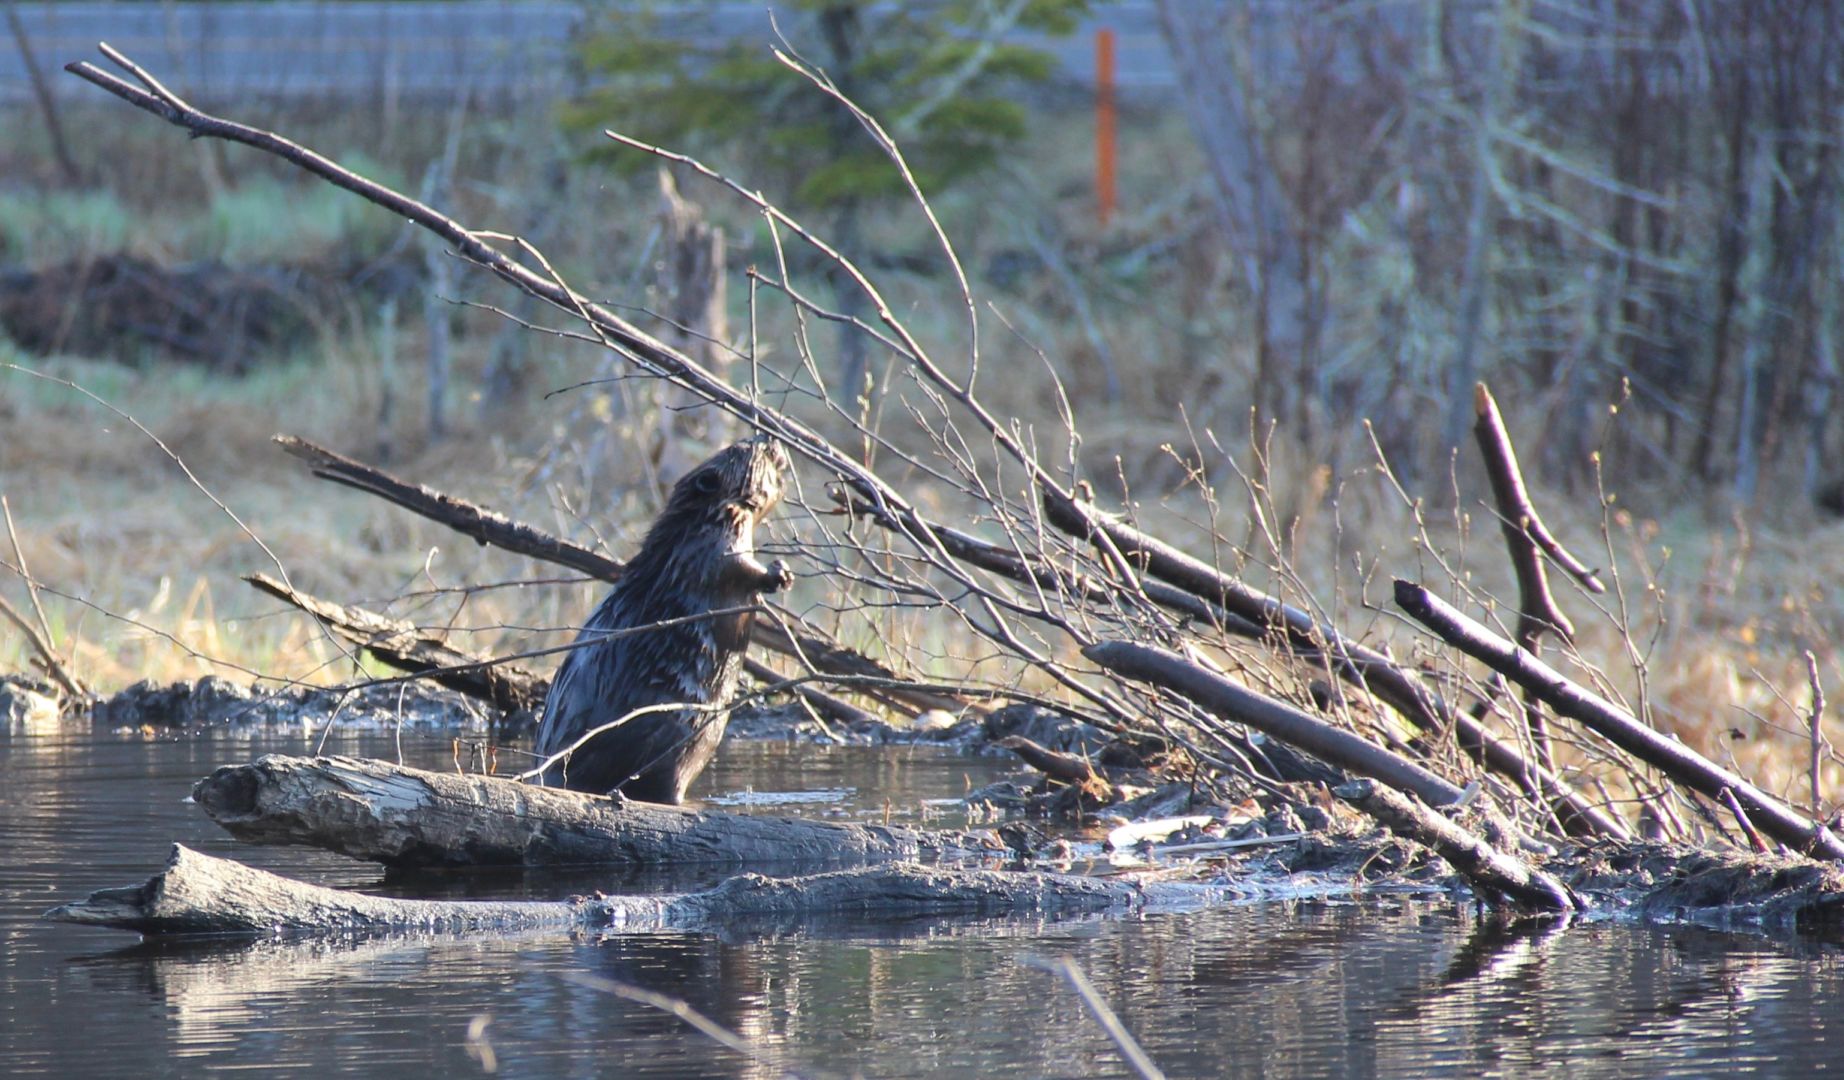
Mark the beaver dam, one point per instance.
(1175, 739)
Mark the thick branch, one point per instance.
(406, 648)
(1009, 564)
(199, 894)
(1524, 530)
(1619, 727)
(1496, 875)
(470, 519)
(1361, 666)
(1333, 745)
(1525, 537)
(409, 817)
(53, 666)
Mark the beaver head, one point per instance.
(704, 538)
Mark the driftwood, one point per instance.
(1674, 759)
(400, 816)
(1491, 872)
(200, 894)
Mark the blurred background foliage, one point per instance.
(935, 74)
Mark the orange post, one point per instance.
(1104, 125)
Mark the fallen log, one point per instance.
(1676, 760)
(399, 816)
(1494, 875)
(200, 894)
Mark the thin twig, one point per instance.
(46, 645)
(1815, 720)
(687, 1015)
(1130, 1050)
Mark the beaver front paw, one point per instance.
(777, 577)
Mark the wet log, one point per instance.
(399, 816)
(1495, 875)
(1213, 692)
(1619, 727)
(200, 894)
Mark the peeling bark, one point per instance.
(400, 816)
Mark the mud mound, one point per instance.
(210, 313)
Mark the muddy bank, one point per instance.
(212, 702)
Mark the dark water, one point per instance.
(1301, 989)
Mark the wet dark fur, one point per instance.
(697, 557)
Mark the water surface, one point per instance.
(1394, 988)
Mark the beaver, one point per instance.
(698, 557)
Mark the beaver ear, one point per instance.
(706, 481)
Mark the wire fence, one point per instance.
(313, 51)
(396, 50)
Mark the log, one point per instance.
(1619, 727)
(399, 816)
(201, 894)
(1218, 695)
(1494, 874)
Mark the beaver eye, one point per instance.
(706, 483)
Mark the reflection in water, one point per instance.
(1279, 989)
